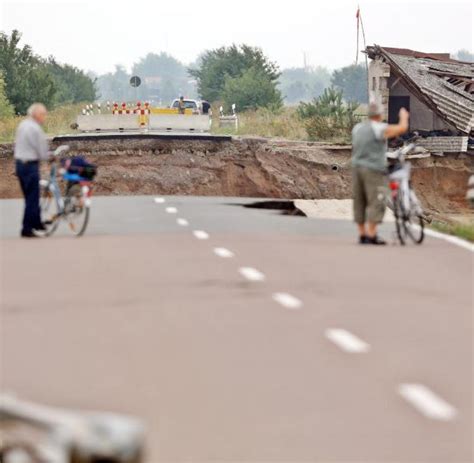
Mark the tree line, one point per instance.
(238, 74)
(27, 77)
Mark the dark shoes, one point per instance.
(41, 227)
(28, 235)
(32, 234)
(375, 240)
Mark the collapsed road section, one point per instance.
(205, 164)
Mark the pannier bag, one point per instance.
(78, 165)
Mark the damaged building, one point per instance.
(436, 89)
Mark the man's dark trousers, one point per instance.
(28, 174)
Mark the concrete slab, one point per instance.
(333, 209)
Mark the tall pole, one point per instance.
(366, 57)
(357, 47)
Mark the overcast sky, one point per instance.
(97, 34)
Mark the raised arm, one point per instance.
(395, 130)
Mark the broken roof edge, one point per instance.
(443, 57)
(376, 50)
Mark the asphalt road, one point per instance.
(289, 342)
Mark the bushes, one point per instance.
(328, 117)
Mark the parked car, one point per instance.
(194, 105)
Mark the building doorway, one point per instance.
(395, 103)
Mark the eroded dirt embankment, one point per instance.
(243, 167)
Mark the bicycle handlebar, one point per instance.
(61, 150)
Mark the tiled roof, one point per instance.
(443, 84)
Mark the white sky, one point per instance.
(96, 34)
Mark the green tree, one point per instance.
(352, 81)
(215, 67)
(29, 78)
(26, 77)
(252, 90)
(72, 84)
(6, 109)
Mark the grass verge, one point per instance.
(461, 230)
(283, 123)
(58, 122)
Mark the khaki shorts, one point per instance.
(369, 191)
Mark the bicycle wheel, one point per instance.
(49, 210)
(77, 212)
(414, 224)
(415, 228)
(399, 214)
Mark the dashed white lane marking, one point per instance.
(287, 300)
(427, 402)
(201, 235)
(251, 274)
(159, 200)
(171, 210)
(347, 341)
(182, 222)
(223, 252)
(450, 239)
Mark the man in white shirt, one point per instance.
(31, 147)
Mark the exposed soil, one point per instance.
(243, 167)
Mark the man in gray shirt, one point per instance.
(369, 146)
(31, 147)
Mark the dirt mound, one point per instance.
(242, 167)
(441, 183)
(253, 168)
